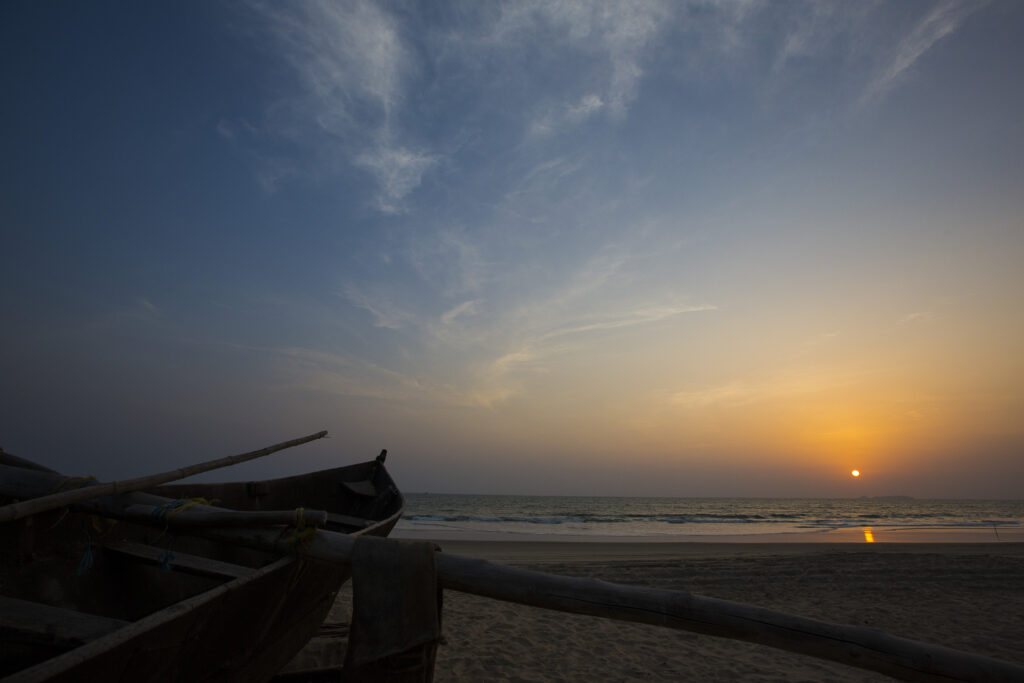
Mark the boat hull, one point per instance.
(193, 609)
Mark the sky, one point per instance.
(685, 248)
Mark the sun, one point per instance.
(854, 473)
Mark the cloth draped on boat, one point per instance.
(396, 611)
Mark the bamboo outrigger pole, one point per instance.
(53, 501)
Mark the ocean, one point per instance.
(689, 517)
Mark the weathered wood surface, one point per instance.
(51, 501)
(349, 520)
(199, 639)
(27, 622)
(362, 488)
(855, 646)
(13, 460)
(192, 564)
(204, 516)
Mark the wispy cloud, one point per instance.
(385, 312)
(450, 261)
(398, 171)
(352, 69)
(272, 172)
(347, 55)
(625, 319)
(465, 308)
(614, 35)
(483, 355)
(917, 317)
(943, 19)
(566, 113)
(729, 41)
(341, 374)
(737, 393)
(358, 72)
(590, 302)
(140, 311)
(734, 392)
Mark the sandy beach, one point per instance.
(967, 595)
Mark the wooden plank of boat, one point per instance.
(348, 520)
(238, 629)
(180, 561)
(362, 488)
(30, 624)
(322, 658)
(195, 639)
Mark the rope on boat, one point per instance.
(85, 564)
(164, 512)
(102, 525)
(301, 536)
(298, 541)
(76, 483)
(167, 557)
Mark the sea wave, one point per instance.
(859, 520)
(677, 517)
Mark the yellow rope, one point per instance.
(102, 525)
(299, 541)
(73, 483)
(164, 512)
(301, 537)
(192, 502)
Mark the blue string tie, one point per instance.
(85, 564)
(167, 557)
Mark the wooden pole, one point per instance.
(855, 646)
(13, 460)
(864, 648)
(206, 516)
(57, 500)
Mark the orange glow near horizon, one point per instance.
(869, 536)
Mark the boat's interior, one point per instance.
(70, 578)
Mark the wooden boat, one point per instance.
(88, 598)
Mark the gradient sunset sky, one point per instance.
(555, 247)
